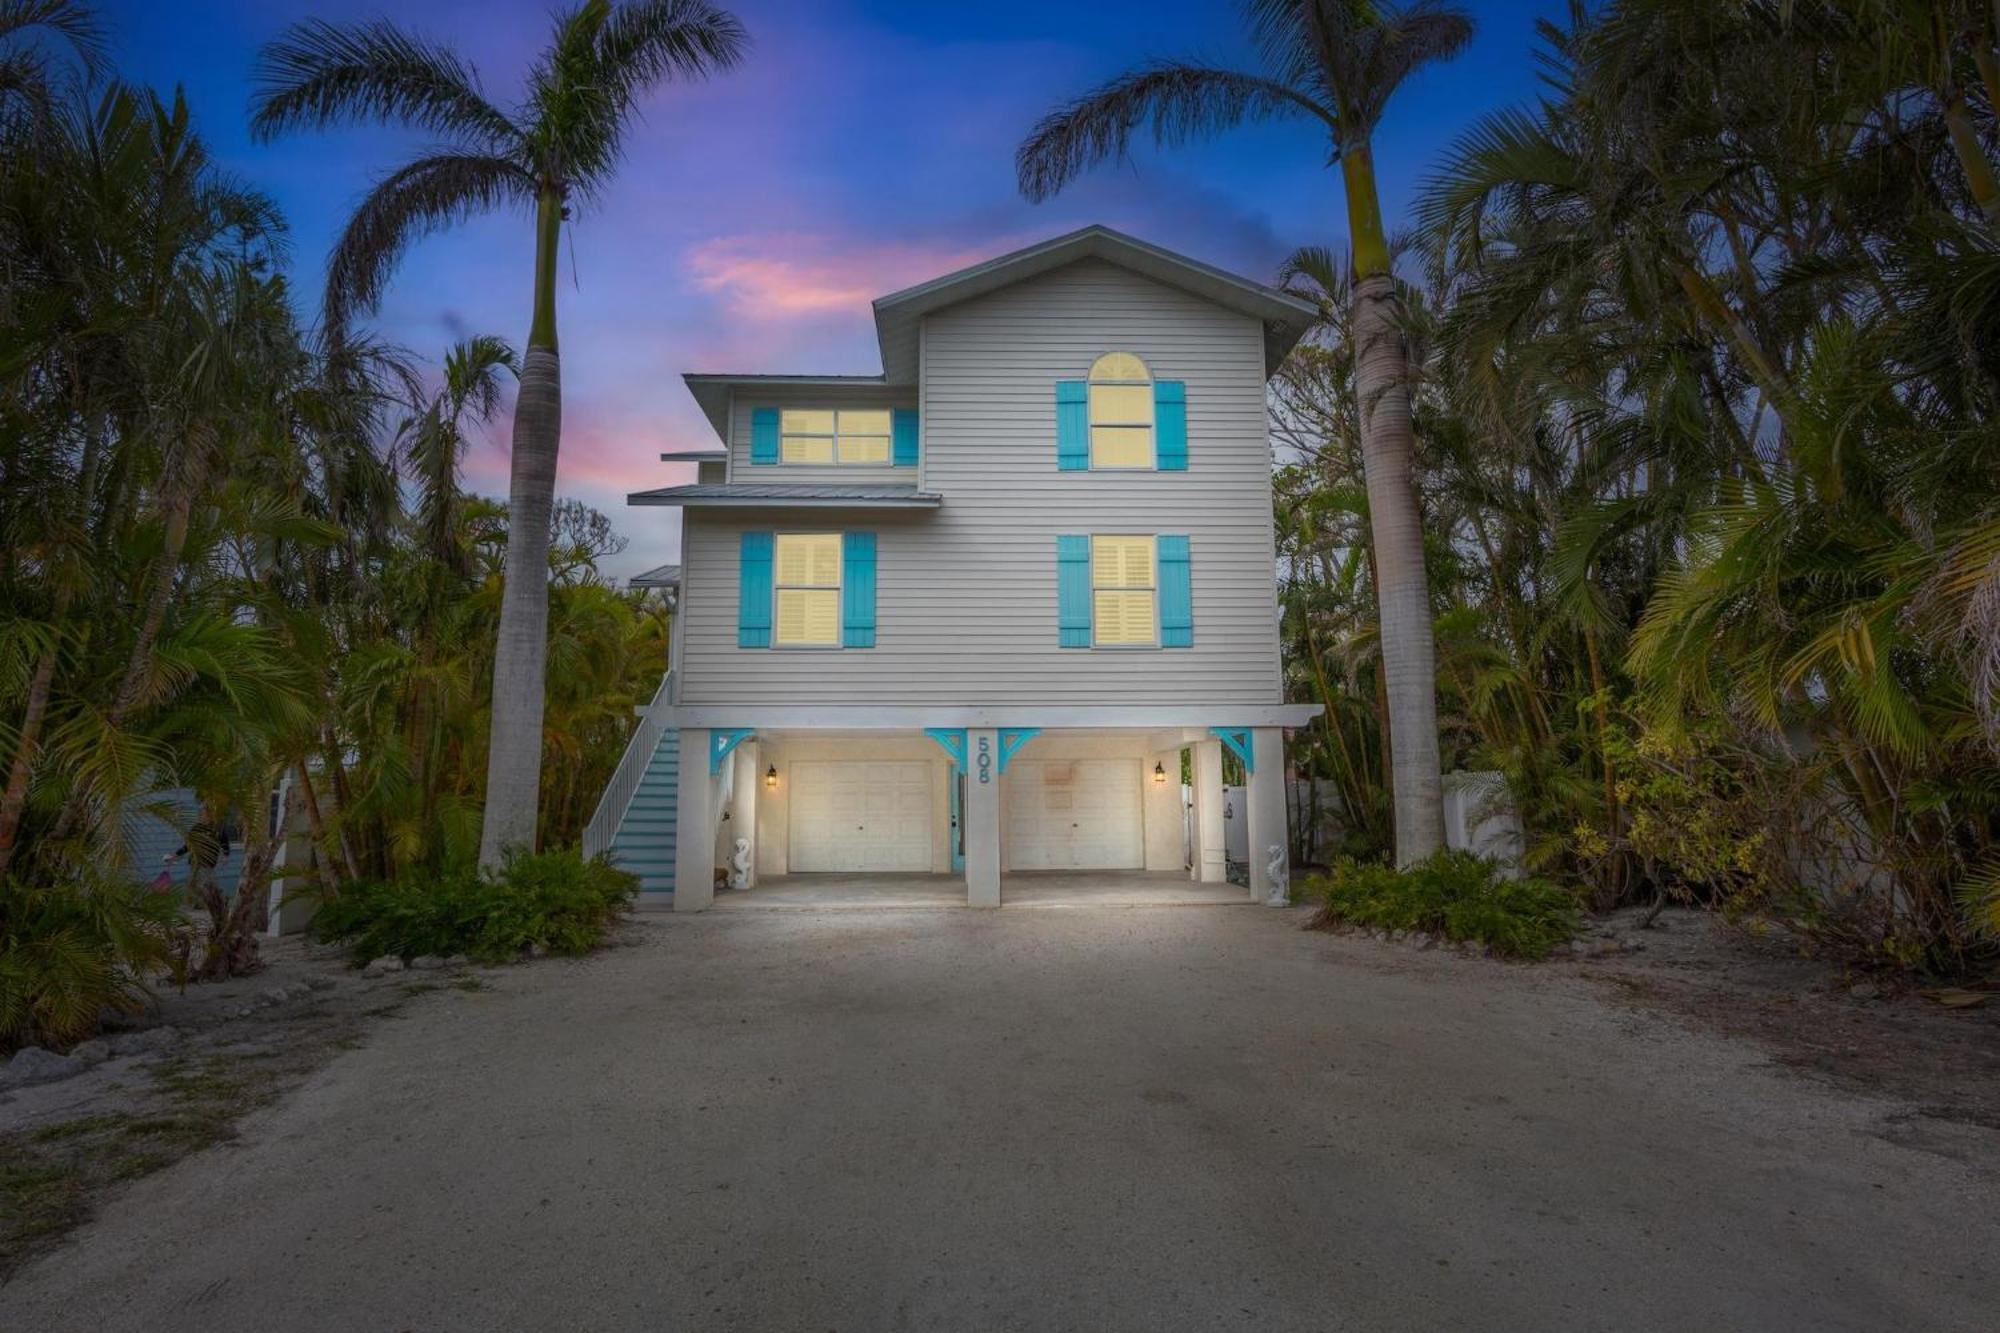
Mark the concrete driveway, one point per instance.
(1105, 1118)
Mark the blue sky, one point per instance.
(865, 145)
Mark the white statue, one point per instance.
(1276, 871)
(739, 865)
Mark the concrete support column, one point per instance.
(1266, 797)
(748, 784)
(982, 818)
(1210, 863)
(694, 825)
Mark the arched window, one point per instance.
(1121, 412)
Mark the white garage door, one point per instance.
(1078, 814)
(860, 815)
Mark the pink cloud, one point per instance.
(783, 277)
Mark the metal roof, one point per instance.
(664, 576)
(711, 392)
(780, 496)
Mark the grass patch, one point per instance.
(82, 1125)
(51, 1176)
(40, 1198)
(1455, 895)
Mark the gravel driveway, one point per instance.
(1095, 1119)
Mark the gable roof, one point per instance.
(898, 315)
(1285, 318)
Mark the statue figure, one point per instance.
(739, 865)
(1276, 871)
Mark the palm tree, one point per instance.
(1336, 62)
(25, 67)
(556, 148)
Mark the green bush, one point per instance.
(556, 901)
(71, 952)
(1454, 894)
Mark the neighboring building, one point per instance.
(964, 616)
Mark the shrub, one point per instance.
(556, 901)
(1453, 894)
(72, 951)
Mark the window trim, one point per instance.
(1091, 423)
(888, 438)
(1152, 541)
(838, 588)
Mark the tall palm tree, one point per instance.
(1336, 62)
(559, 146)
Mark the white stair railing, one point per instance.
(631, 770)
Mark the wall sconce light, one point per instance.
(1159, 774)
(771, 777)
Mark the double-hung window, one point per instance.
(1121, 412)
(807, 584)
(824, 435)
(1124, 592)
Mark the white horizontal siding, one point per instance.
(744, 401)
(966, 602)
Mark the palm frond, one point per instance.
(317, 74)
(646, 41)
(1176, 102)
(428, 194)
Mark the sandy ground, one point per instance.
(1096, 1119)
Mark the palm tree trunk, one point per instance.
(316, 827)
(179, 506)
(15, 803)
(1979, 174)
(1388, 445)
(520, 657)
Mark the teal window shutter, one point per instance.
(857, 590)
(1170, 422)
(1176, 592)
(1072, 426)
(753, 592)
(904, 436)
(764, 435)
(1073, 591)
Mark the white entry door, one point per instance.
(860, 815)
(1074, 814)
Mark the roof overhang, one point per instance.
(897, 316)
(712, 392)
(904, 717)
(664, 576)
(788, 497)
(695, 456)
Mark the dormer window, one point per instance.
(1121, 412)
(822, 435)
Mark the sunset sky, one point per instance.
(866, 145)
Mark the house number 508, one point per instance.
(985, 760)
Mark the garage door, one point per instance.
(860, 815)
(1079, 814)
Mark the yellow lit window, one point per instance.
(1121, 412)
(1124, 590)
(817, 435)
(808, 589)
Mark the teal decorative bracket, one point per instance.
(1238, 739)
(1012, 739)
(953, 741)
(722, 741)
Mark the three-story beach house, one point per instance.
(964, 617)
